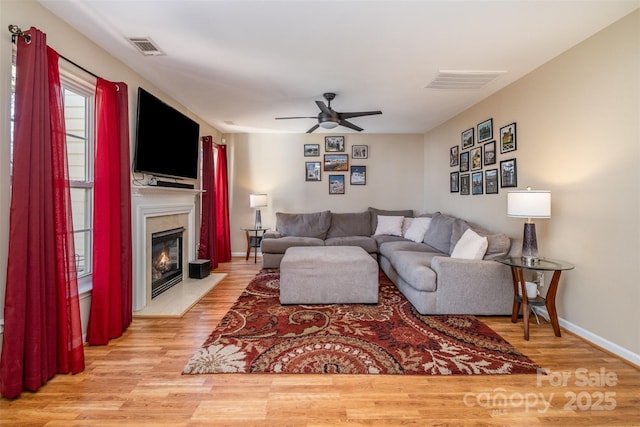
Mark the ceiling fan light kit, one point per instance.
(328, 118)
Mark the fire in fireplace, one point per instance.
(166, 260)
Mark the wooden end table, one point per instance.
(518, 266)
(253, 241)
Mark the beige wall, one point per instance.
(275, 164)
(578, 135)
(73, 45)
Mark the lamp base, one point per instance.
(258, 224)
(530, 244)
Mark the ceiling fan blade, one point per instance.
(350, 125)
(323, 107)
(358, 114)
(285, 118)
(313, 128)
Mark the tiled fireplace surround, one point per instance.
(157, 209)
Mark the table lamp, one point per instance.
(529, 204)
(258, 201)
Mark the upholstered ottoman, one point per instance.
(328, 275)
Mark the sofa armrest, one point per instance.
(271, 235)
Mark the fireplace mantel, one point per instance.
(150, 201)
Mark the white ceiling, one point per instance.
(239, 64)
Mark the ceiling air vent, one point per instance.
(463, 80)
(146, 46)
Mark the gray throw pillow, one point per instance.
(304, 225)
(499, 243)
(438, 234)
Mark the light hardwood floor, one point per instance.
(136, 380)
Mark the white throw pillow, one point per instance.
(417, 228)
(406, 223)
(470, 246)
(389, 225)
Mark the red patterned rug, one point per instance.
(258, 335)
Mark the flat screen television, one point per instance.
(167, 141)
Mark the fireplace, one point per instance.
(166, 260)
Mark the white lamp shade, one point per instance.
(529, 204)
(257, 200)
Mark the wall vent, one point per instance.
(146, 46)
(463, 80)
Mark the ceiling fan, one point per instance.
(328, 118)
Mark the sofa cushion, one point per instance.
(385, 238)
(350, 224)
(415, 269)
(417, 229)
(365, 242)
(470, 246)
(280, 245)
(499, 244)
(375, 212)
(388, 248)
(304, 225)
(389, 225)
(438, 235)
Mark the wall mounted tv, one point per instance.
(167, 141)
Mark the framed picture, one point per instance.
(334, 143)
(464, 184)
(485, 130)
(336, 184)
(508, 173)
(336, 162)
(359, 151)
(476, 158)
(477, 186)
(491, 181)
(490, 153)
(312, 171)
(453, 156)
(454, 184)
(311, 150)
(467, 138)
(358, 175)
(508, 138)
(464, 161)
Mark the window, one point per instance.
(78, 98)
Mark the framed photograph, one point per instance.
(358, 175)
(490, 153)
(476, 158)
(491, 181)
(336, 184)
(359, 151)
(454, 182)
(464, 184)
(334, 143)
(453, 156)
(508, 173)
(508, 138)
(464, 161)
(485, 130)
(477, 185)
(467, 139)
(311, 150)
(312, 171)
(336, 162)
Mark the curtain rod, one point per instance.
(17, 32)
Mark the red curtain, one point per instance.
(111, 308)
(206, 249)
(223, 236)
(43, 333)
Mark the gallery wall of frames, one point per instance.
(477, 162)
(333, 160)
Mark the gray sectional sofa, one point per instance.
(424, 271)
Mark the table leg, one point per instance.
(248, 245)
(525, 302)
(516, 303)
(551, 302)
(255, 250)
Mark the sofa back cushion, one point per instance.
(438, 235)
(375, 212)
(350, 224)
(499, 244)
(314, 224)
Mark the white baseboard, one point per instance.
(593, 338)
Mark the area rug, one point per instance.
(258, 335)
